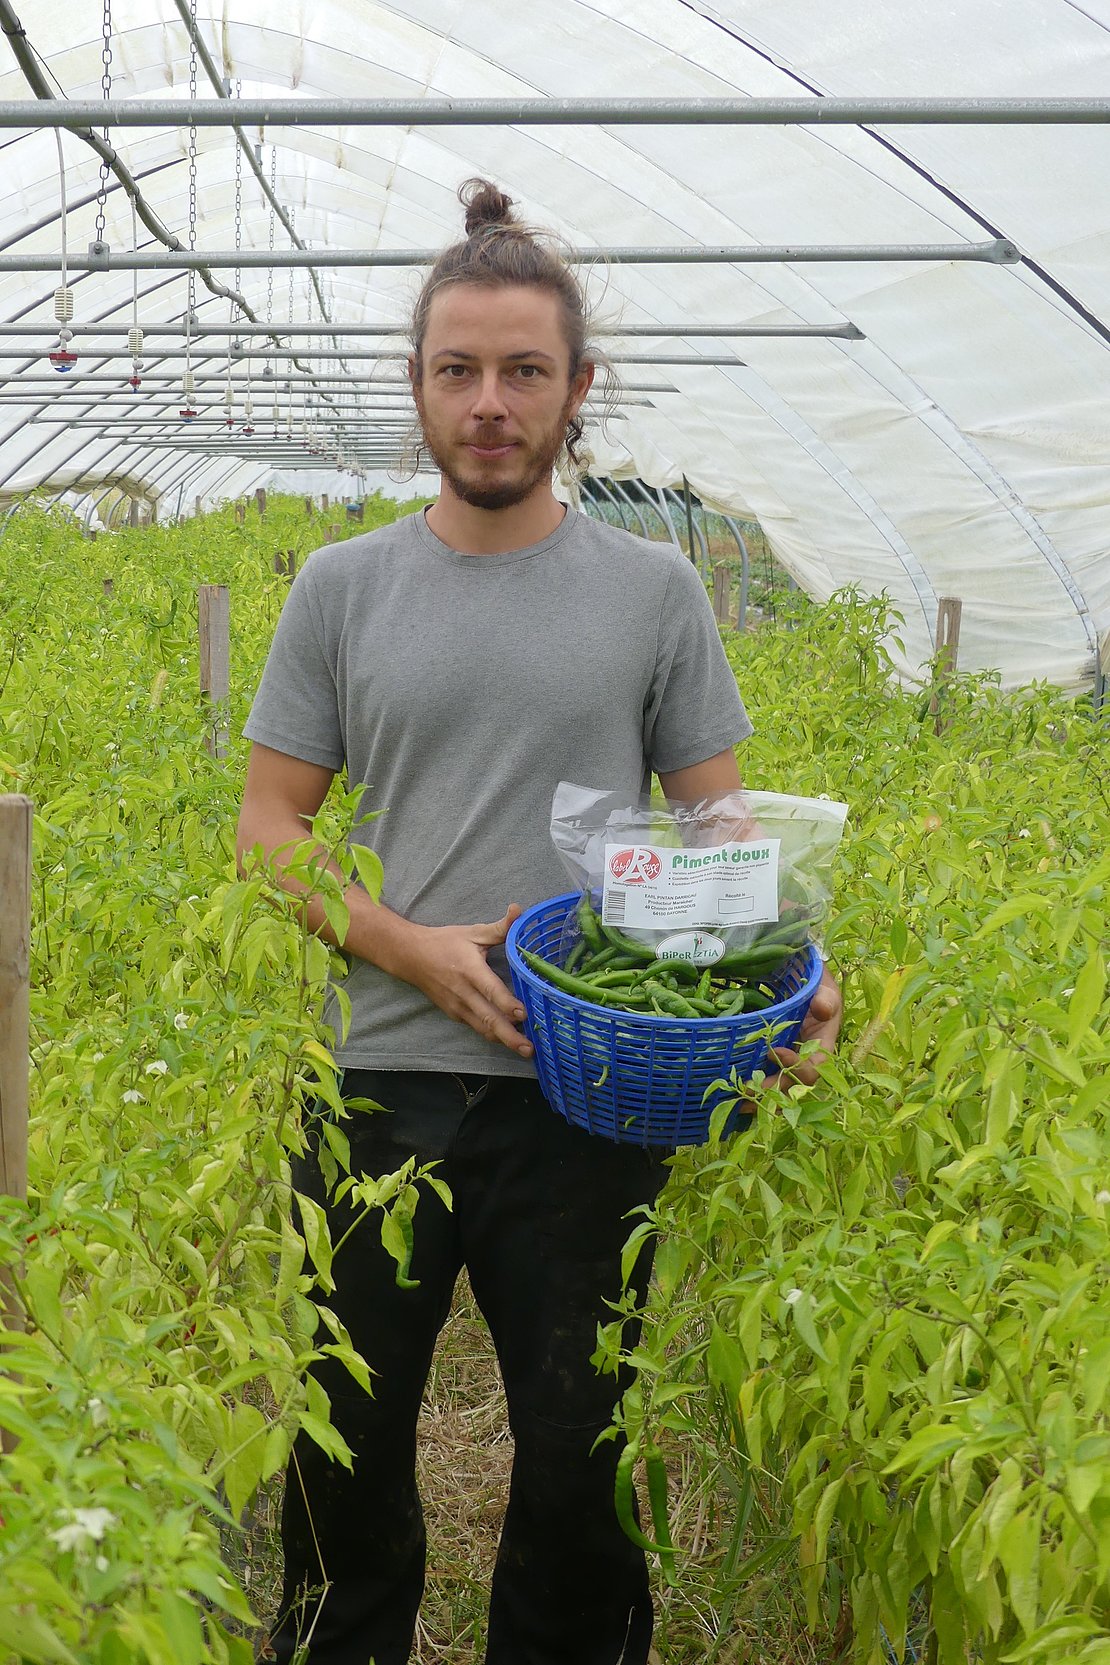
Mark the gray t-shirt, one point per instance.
(461, 689)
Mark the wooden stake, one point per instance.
(214, 622)
(308, 506)
(260, 499)
(285, 563)
(16, 820)
(722, 592)
(196, 504)
(333, 531)
(16, 816)
(325, 502)
(134, 515)
(240, 512)
(108, 585)
(949, 612)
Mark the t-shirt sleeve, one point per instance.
(296, 708)
(694, 709)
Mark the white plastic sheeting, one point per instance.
(960, 449)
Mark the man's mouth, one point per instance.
(490, 451)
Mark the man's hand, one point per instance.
(821, 1024)
(448, 964)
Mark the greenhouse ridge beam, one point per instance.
(999, 251)
(545, 112)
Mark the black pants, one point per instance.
(538, 1220)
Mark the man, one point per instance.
(461, 663)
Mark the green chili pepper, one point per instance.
(576, 955)
(589, 924)
(641, 951)
(704, 983)
(578, 986)
(673, 1003)
(657, 1496)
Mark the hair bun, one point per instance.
(485, 205)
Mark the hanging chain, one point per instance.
(238, 198)
(106, 89)
(192, 296)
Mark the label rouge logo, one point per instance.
(635, 866)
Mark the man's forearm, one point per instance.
(374, 933)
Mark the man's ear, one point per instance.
(582, 384)
(410, 365)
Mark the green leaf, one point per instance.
(1019, 1550)
(802, 1312)
(181, 1623)
(1090, 987)
(327, 1438)
(314, 1229)
(397, 1241)
(368, 866)
(725, 1361)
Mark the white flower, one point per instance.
(98, 1412)
(159, 1067)
(181, 1020)
(132, 1096)
(791, 1296)
(1023, 832)
(1102, 1196)
(86, 1526)
(102, 1563)
(97, 1057)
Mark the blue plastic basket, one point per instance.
(638, 1079)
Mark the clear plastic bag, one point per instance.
(723, 882)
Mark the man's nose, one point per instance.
(489, 398)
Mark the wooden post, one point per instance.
(949, 611)
(108, 585)
(196, 504)
(308, 506)
(240, 512)
(722, 592)
(16, 817)
(260, 499)
(214, 622)
(16, 820)
(333, 531)
(285, 563)
(134, 513)
(362, 511)
(92, 537)
(1102, 676)
(324, 502)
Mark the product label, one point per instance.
(699, 947)
(657, 887)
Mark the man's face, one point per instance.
(495, 396)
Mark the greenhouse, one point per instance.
(291, 695)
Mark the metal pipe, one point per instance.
(664, 510)
(745, 569)
(363, 355)
(546, 112)
(840, 332)
(648, 502)
(998, 251)
(599, 485)
(620, 491)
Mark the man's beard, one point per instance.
(539, 460)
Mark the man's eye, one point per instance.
(455, 372)
(528, 371)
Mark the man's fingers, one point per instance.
(488, 936)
